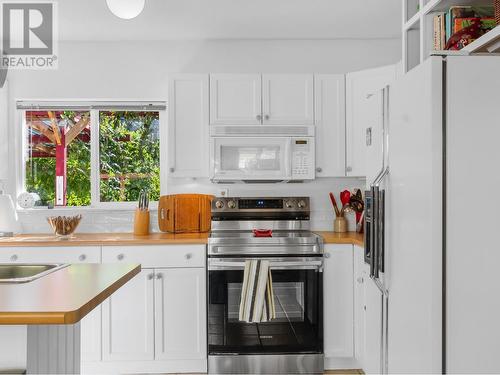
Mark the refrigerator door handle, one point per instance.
(373, 232)
(381, 231)
(376, 229)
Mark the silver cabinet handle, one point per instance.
(14, 257)
(150, 276)
(159, 276)
(188, 256)
(259, 117)
(266, 117)
(319, 169)
(82, 257)
(172, 170)
(326, 255)
(120, 257)
(348, 169)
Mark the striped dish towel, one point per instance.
(257, 296)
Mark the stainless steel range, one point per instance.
(274, 230)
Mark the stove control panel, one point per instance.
(287, 204)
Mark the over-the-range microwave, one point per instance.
(262, 153)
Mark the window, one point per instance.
(80, 155)
(129, 155)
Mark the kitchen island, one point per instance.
(52, 307)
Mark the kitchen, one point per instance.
(261, 114)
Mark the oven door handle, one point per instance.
(214, 265)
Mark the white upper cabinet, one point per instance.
(287, 99)
(329, 94)
(235, 99)
(188, 125)
(360, 86)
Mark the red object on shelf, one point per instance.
(262, 232)
(345, 197)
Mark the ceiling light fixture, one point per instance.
(126, 9)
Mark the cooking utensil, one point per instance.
(360, 222)
(334, 204)
(345, 197)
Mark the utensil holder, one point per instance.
(340, 225)
(141, 222)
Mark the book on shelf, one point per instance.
(439, 34)
(463, 24)
(487, 23)
(456, 12)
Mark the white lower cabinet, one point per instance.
(359, 305)
(180, 314)
(156, 323)
(128, 320)
(338, 306)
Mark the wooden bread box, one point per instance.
(184, 213)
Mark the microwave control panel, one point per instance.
(303, 158)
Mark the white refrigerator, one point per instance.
(433, 294)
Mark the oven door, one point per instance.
(259, 158)
(298, 293)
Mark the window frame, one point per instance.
(95, 202)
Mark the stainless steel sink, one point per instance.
(23, 273)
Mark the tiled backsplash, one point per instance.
(102, 220)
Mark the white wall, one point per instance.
(139, 70)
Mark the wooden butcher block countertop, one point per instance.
(103, 239)
(352, 238)
(124, 239)
(64, 296)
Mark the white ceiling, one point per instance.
(90, 20)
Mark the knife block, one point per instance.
(141, 222)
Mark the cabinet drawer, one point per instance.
(60, 254)
(157, 256)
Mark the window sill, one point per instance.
(68, 210)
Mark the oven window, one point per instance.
(250, 158)
(298, 323)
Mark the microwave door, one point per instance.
(245, 158)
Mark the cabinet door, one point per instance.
(359, 305)
(188, 125)
(128, 325)
(329, 102)
(338, 301)
(288, 99)
(235, 99)
(180, 314)
(360, 86)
